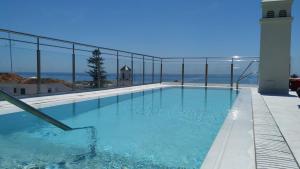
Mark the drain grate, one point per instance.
(271, 148)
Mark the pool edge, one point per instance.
(233, 148)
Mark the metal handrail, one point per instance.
(243, 76)
(33, 111)
(45, 117)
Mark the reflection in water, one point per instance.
(118, 106)
(160, 97)
(131, 106)
(205, 99)
(182, 99)
(143, 112)
(99, 109)
(74, 109)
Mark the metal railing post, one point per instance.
(231, 73)
(98, 73)
(143, 69)
(206, 72)
(161, 69)
(38, 66)
(73, 66)
(152, 69)
(10, 53)
(182, 72)
(132, 69)
(117, 68)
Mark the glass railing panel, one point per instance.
(110, 68)
(172, 70)
(125, 70)
(194, 71)
(56, 70)
(219, 71)
(83, 81)
(148, 70)
(156, 70)
(137, 70)
(18, 68)
(240, 67)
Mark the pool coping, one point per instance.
(54, 100)
(233, 148)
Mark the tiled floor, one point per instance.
(272, 150)
(286, 112)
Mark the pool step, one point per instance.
(271, 148)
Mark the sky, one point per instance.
(167, 28)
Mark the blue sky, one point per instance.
(169, 28)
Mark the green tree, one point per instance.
(96, 71)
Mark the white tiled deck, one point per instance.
(272, 149)
(286, 112)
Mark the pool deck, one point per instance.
(286, 112)
(261, 131)
(241, 141)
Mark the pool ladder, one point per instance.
(24, 106)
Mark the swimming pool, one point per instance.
(162, 128)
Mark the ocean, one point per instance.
(138, 78)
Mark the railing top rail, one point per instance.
(105, 48)
(76, 43)
(201, 57)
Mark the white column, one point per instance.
(275, 44)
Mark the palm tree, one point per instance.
(97, 72)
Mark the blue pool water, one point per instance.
(162, 128)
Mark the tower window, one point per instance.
(282, 13)
(270, 14)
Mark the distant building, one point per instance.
(125, 76)
(16, 85)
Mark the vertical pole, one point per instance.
(10, 53)
(231, 73)
(73, 66)
(182, 72)
(206, 72)
(132, 69)
(98, 71)
(161, 69)
(152, 69)
(143, 70)
(38, 66)
(117, 68)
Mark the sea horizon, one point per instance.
(138, 77)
